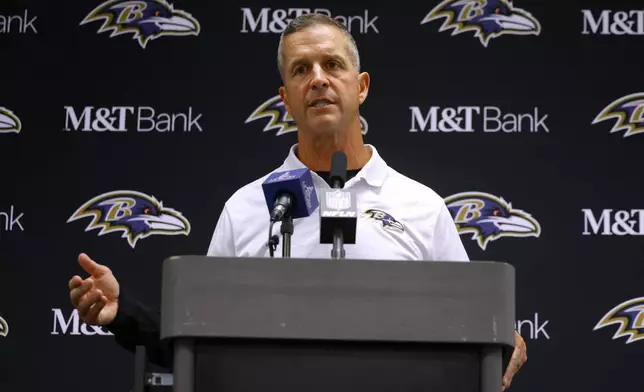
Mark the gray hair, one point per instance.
(314, 19)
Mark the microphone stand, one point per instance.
(286, 229)
(337, 252)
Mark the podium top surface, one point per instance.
(322, 299)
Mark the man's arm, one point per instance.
(447, 244)
(136, 324)
(449, 247)
(222, 242)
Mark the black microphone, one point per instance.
(338, 175)
(338, 211)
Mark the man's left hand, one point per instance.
(519, 357)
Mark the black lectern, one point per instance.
(285, 324)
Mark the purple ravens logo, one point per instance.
(388, 221)
(9, 122)
(132, 213)
(146, 20)
(487, 19)
(488, 217)
(281, 120)
(628, 112)
(629, 317)
(4, 327)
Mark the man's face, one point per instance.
(322, 89)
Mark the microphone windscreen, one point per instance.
(299, 184)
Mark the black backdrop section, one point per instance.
(568, 197)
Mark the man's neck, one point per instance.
(316, 153)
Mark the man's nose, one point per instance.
(319, 78)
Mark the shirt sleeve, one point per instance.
(447, 244)
(222, 243)
(136, 324)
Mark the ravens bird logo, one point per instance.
(281, 120)
(388, 221)
(629, 113)
(135, 214)
(4, 327)
(488, 19)
(9, 122)
(629, 316)
(146, 19)
(488, 217)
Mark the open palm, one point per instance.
(96, 297)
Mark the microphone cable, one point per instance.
(273, 240)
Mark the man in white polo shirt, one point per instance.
(323, 89)
(400, 219)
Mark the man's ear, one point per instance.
(363, 86)
(282, 91)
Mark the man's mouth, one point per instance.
(320, 103)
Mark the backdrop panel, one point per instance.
(528, 114)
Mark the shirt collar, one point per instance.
(374, 172)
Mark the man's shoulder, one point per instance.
(408, 188)
(425, 212)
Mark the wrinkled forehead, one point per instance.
(315, 43)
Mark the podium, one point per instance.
(313, 325)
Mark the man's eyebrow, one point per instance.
(332, 56)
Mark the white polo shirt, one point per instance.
(400, 219)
